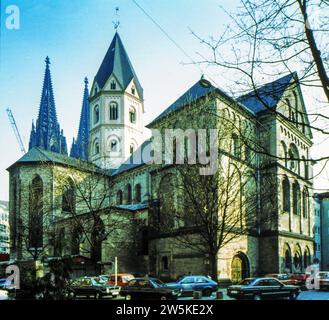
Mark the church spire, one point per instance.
(117, 63)
(79, 147)
(47, 133)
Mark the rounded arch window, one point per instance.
(114, 145)
(132, 115)
(293, 158)
(133, 90)
(114, 110)
(113, 85)
(96, 114)
(132, 148)
(96, 147)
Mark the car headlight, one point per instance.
(107, 290)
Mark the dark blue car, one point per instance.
(188, 284)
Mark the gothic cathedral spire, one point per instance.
(79, 147)
(46, 133)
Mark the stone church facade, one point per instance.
(110, 178)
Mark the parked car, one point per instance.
(300, 278)
(188, 284)
(92, 287)
(148, 288)
(282, 277)
(122, 278)
(3, 294)
(323, 278)
(262, 288)
(5, 284)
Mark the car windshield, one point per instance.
(246, 282)
(323, 275)
(98, 281)
(157, 283)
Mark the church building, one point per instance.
(99, 202)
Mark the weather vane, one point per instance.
(117, 22)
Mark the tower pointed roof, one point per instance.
(47, 133)
(79, 147)
(116, 62)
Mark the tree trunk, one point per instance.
(213, 266)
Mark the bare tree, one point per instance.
(207, 212)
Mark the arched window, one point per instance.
(284, 153)
(113, 85)
(292, 111)
(286, 195)
(131, 149)
(167, 204)
(96, 114)
(95, 91)
(36, 213)
(294, 159)
(296, 198)
(68, 196)
(133, 90)
(129, 195)
(138, 193)
(114, 111)
(236, 147)
(305, 164)
(132, 114)
(287, 259)
(114, 145)
(119, 197)
(96, 147)
(305, 203)
(307, 257)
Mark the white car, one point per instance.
(3, 295)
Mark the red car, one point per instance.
(285, 278)
(122, 278)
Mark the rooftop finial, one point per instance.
(117, 22)
(47, 61)
(86, 82)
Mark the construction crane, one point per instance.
(14, 126)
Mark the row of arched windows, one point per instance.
(298, 260)
(114, 113)
(297, 198)
(126, 197)
(113, 146)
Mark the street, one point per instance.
(304, 295)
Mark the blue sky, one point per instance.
(76, 35)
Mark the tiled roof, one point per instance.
(117, 62)
(267, 96)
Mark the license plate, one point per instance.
(115, 293)
(234, 291)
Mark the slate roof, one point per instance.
(38, 154)
(194, 93)
(269, 94)
(133, 207)
(79, 147)
(117, 62)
